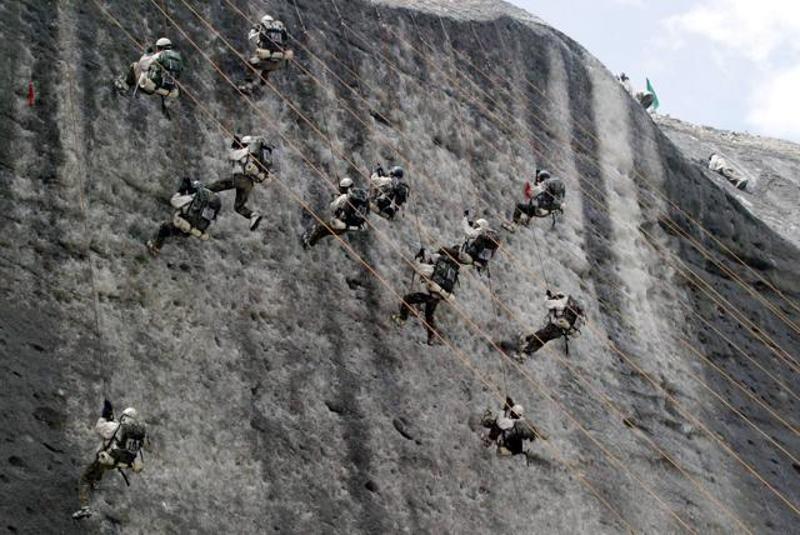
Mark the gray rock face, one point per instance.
(771, 166)
(278, 395)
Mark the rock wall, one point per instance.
(278, 394)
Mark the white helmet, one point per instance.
(266, 19)
(130, 412)
(482, 224)
(163, 43)
(345, 183)
(517, 410)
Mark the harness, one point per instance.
(482, 249)
(573, 313)
(445, 273)
(166, 69)
(355, 211)
(123, 451)
(272, 37)
(553, 195)
(202, 210)
(258, 162)
(395, 194)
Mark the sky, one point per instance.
(731, 64)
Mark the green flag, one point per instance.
(655, 97)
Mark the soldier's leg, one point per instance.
(409, 301)
(243, 188)
(130, 79)
(91, 475)
(541, 337)
(167, 230)
(223, 184)
(430, 326)
(319, 232)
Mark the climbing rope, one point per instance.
(581, 478)
(769, 343)
(315, 130)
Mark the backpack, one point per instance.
(401, 191)
(261, 159)
(272, 36)
(166, 69)
(203, 209)
(482, 248)
(445, 273)
(574, 314)
(128, 440)
(553, 196)
(354, 212)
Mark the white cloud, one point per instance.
(754, 29)
(773, 110)
(762, 34)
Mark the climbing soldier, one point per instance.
(545, 198)
(155, 73)
(480, 243)
(350, 210)
(271, 54)
(565, 317)
(508, 430)
(439, 274)
(252, 160)
(121, 449)
(718, 164)
(196, 207)
(387, 193)
(626, 83)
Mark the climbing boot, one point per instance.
(255, 220)
(510, 227)
(83, 512)
(434, 341)
(151, 247)
(121, 86)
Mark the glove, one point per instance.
(108, 411)
(420, 253)
(185, 186)
(549, 294)
(466, 213)
(237, 142)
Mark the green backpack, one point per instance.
(166, 69)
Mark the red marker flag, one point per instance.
(31, 94)
(527, 189)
